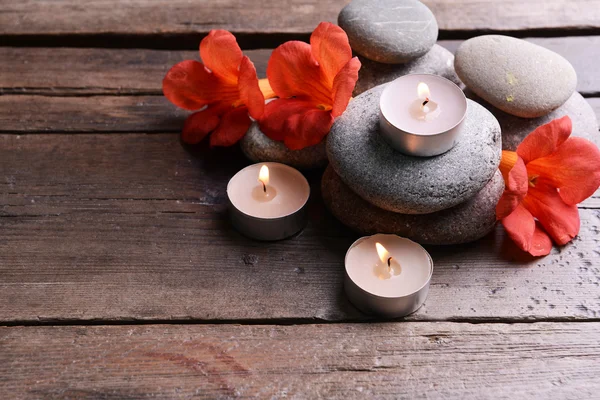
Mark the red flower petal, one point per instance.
(330, 47)
(559, 219)
(343, 85)
(516, 184)
(221, 54)
(250, 92)
(541, 245)
(545, 139)
(190, 86)
(520, 226)
(201, 123)
(296, 122)
(294, 72)
(234, 125)
(574, 168)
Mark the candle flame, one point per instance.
(382, 252)
(423, 91)
(263, 175)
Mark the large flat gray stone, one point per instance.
(389, 31)
(463, 223)
(412, 185)
(260, 148)
(437, 61)
(518, 77)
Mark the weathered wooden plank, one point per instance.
(69, 71)
(22, 113)
(181, 17)
(124, 227)
(393, 360)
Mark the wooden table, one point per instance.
(121, 278)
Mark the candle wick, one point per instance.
(389, 262)
(264, 187)
(426, 101)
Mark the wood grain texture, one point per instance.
(173, 17)
(75, 71)
(387, 361)
(22, 113)
(134, 227)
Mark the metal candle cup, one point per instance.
(393, 289)
(268, 210)
(407, 128)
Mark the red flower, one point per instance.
(545, 179)
(225, 88)
(314, 82)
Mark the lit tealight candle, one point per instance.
(268, 201)
(387, 275)
(422, 115)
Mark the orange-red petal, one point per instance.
(343, 85)
(294, 72)
(250, 93)
(574, 168)
(541, 245)
(201, 123)
(560, 220)
(221, 54)
(527, 233)
(520, 226)
(190, 86)
(330, 47)
(516, 184)
(234, 125)
(295, 122)
(545, 140)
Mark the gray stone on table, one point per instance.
(518, 77)
(515, 129)
(389, 31)
(463, 223)
(260, 148)
(412, 185)
(437, 61)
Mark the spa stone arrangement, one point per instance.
(412, 155)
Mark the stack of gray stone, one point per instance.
(446, 199)
(371, 187)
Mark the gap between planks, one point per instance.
(363, 319)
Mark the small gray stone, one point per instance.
(437, 61)
(515, 129)
(516, 76)
(389, 31)
(464, 223)
(412, 185)
(260, 148)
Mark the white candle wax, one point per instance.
(402, 105)
(409, 271)
(287, 191)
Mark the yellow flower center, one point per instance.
(533, 180)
